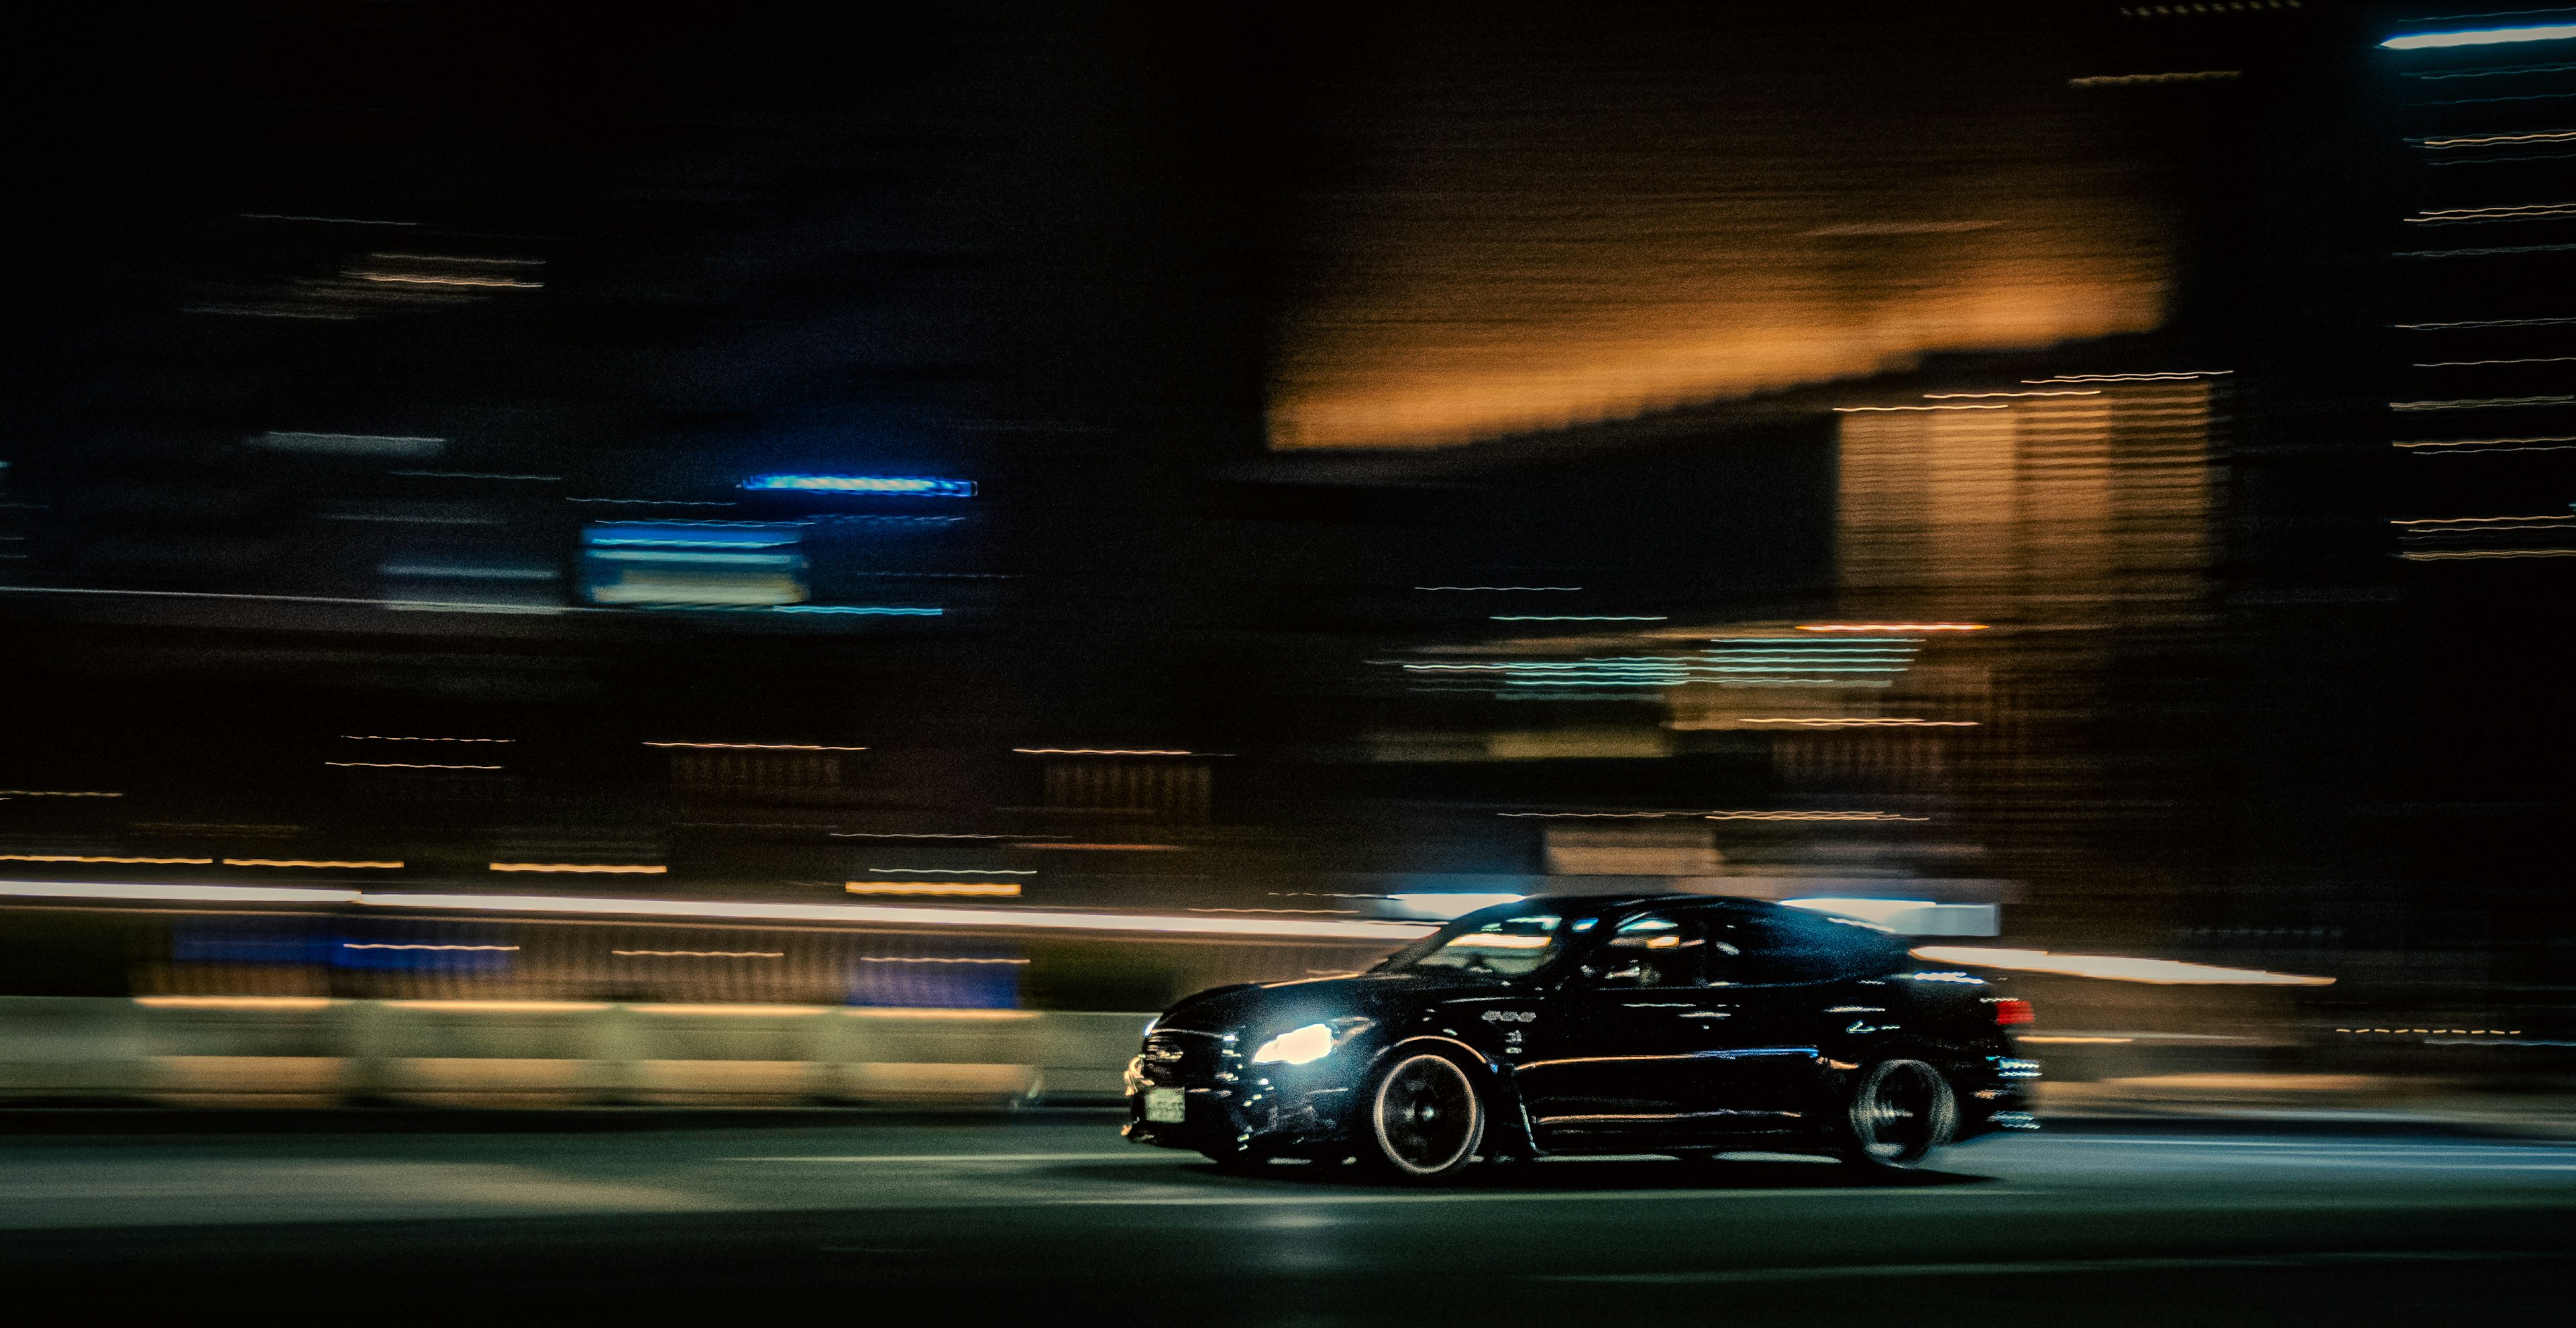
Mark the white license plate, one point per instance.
(1166, 1106)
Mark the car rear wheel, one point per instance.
(1425, 1117)
(1902, 1113)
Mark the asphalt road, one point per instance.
(1052, 1218)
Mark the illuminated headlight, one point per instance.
(1304, 1046)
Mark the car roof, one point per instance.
(1667, 897)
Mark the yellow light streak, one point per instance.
(790, 1010)
(101, 857)
(931, 959)
(757, 746)
(234, 1002)
(323, 863)
(1858, 722)
(999, 889)
(587, 868)
(1352, 929)
(392, 945)
(700, 954)
(1862, 410)
(1893, 627)
(502, 1007)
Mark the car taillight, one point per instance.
(2010, 1011)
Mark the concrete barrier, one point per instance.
(316, 1051)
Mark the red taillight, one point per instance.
(2010, 1011)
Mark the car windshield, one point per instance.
(1499, 943)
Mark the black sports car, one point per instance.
(1682, 1025)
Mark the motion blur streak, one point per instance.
(405, 765)
(990, 888)
(2482, 37)
(1099, 751)
(1893, 627)
(74, 857)
(319, 863)
(700, 954)
(2168, 972)
(234, 1002)
(586, 868)
(941, 917)
(219, 894)
(756, 746)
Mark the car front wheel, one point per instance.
(1425, 1117)
(1901, 1114)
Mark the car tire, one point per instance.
(1426, 1117)
(1900, 1115)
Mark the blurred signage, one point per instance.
(694, 564)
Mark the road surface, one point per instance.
(1051, 1217)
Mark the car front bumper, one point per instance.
(1281, 1115)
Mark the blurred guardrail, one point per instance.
(315, 1051)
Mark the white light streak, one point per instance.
(2552, 443)
(2171, 377)
(191, 894)
(2481, 403)
(2446, 554)
(350, 444)
(902, 915)
(2165, 972)
(953, 871)
(2482, 37)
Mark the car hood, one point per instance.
(1284, 1004)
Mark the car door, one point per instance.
(1779, 989)
(1616, 1055)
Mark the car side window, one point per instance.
(1649, 950)
(1768, 951)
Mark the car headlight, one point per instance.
(1306, 1045)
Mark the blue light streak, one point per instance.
(907, 486)
(2481, 37)
(876, 610)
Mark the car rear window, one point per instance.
(1792, 946)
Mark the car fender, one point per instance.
(1502, 1095)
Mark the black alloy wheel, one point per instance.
(1425, 1117)
(1902, 1113)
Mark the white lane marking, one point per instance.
(2395, 1164)
(942, 1158)
(2043, 1266)
(1492, 1196)
(2295, 1145)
